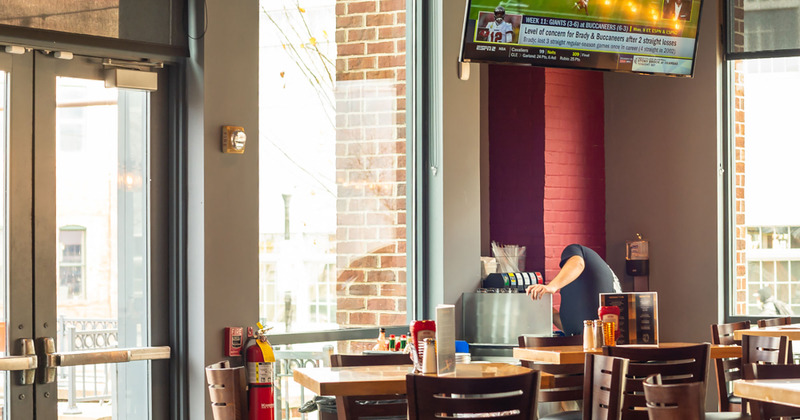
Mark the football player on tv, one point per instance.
(582, 5)
(499, 29)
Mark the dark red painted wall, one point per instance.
(516, 159)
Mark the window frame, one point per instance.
(727, 166)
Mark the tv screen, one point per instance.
(640, 36)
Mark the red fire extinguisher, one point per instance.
(260, 362)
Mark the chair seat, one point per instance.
(734, 399)
(564, 415)
(727, 416)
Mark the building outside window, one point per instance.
(332, 243)
(72, 262)
(763, 215)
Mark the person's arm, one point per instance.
(569, 272)
(509, 37)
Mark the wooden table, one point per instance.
(382, 380)
(561, 355)
(792, 331)
(780, 391)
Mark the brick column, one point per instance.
(574, 162)
(740, 230)
(370, 164)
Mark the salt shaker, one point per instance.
(429, 357)
(588, 335)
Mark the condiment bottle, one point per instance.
(381, 344)
(391, 342)
(610, 314)
(588, 334)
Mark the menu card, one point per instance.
(445, 339)
(638, 316)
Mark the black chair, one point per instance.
(362, 406)
(683, 401)
(767, 411)
(567, 379)
(675, 364)
(509, 397)
(729, 369)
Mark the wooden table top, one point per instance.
(382, 380)
(781, 391)
(792, 331)
(562, 355)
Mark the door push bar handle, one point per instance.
(25, 363)
(52, 360)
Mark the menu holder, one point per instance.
(445, 340)
(638, 316)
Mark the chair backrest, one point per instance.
(567, 379)
(675, 364)
(338, 360)
(685, 401)
(774, 322)
(728, 369)
(355, 407)
(509, 397)
(764, 350)
(604, 381)
(766, 411)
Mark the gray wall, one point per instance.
(223, 188)
(662, 153)
(455, 233)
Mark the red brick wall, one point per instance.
(516, 156)
(740, 253)
(370, 164)
(559, 126)
(574, 182)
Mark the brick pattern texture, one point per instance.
(574, 179)
(370, 165)
(552, 138)
(740, 252)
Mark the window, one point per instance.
(71, 262)
(763, 216)
(332, 249)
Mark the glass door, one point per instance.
(88, 181)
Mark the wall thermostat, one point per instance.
(233, 139)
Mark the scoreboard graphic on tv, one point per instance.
(646, 36)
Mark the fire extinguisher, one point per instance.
(261, 393)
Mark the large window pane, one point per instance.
(149, 21)
(765, 150)
(102, 138)
(763, 25)
(332, 244)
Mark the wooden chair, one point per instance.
(384, 406)
(684, 401)
(604, 383)
(774, 322)
(568, 380)
(675, 364)
(765, 350)
(767, 411)
(729, 369)
(510, 397)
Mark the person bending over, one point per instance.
(583, 276)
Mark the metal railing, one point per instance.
(285, 362)
(92, 382)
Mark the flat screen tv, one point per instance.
(639, 36)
